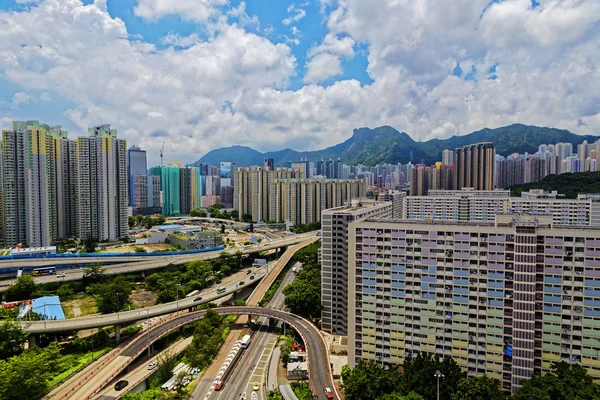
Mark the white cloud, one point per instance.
(321, 67)
(175, 40)
(243, 19)
(190, 10)
(20, 98)
(297, 14)
(545, 62)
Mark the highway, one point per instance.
(252, 365)
(320, 375)
(164, 260)
(161, 262)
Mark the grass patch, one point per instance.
(230, 319)
(70, 364)
(85, 302)
(302, 390)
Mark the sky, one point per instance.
(271, 74)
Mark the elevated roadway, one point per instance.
(154, 262)
(319, 372)
(176, 259)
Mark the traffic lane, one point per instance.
(266, 245)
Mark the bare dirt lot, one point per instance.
(143, 298)
(130, 248)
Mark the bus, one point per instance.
(245, 341)
(221, 289)
(192, 293)
(44, 271)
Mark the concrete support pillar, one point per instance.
(4, 296)
(32, 339)
(118, 333)
(249, 319)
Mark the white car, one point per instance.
(61, 275)
(152, 365)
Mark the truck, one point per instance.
(192, 294)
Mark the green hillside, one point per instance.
(568, 184)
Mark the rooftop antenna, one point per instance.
(161, 154)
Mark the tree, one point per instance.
(65, 291)
(419, 376)
(12, 337)
(94, 273)
(566, 381)
(208, 339)
(23, 288)
(25, 377)
(235, 214)
(410, 396)
(479, 387)
(90, 246)
(369, 381)
(112, 297)
(198, 213)
(222, 229)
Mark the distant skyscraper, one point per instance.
(136, 165)
(269, 164)
(474, 166)
(447, 157)
(227, 170)
(146, 194)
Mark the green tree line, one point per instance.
(303, 296)
(369, 381)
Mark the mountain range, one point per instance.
(387, 145)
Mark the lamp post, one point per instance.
(177, 287)
(438, 375)
(148, 328)
(118, 305)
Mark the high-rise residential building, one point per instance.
(482, 206)
(474, 166)
(182, 189)
(436, 177)
(252, 188)
(302, 167)
(101, 193)
(227, 170)
(300, 201)
(37, 195)
(227, 196)
(397, 199)
(146, 194)
(212, 185)
(334, 258)
(269, 164)
(505, 298)
(447, 157)
(136, 165)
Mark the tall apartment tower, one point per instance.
(269, 164)
(32, 179)
(474, 166)
(334, 259)
(64, 178)
(136, 165)
(505, 298)
(447, 157)
(101, 184)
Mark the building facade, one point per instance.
(334, 258)
(506, 299)
(136, 165)
(474, 166)
(146, 194)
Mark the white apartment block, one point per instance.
(505, 298)
(477, 206)
(334, 258)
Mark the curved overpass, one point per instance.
(318, 360)
(164, 260)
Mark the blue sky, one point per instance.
(201, 74)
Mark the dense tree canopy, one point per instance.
(112, 296)
(208, 339)
(12, 338)
(23, 289)
(303, 296)
(565, 382)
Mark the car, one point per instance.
(328, 393)
(219, 281)
(199, 298)
(252, 277)
(255, 387)
(61, 275)
(152, 365)
(242, 283)
(121, 385)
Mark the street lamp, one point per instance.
(438, 375)
(118, 304)
(177, 287)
